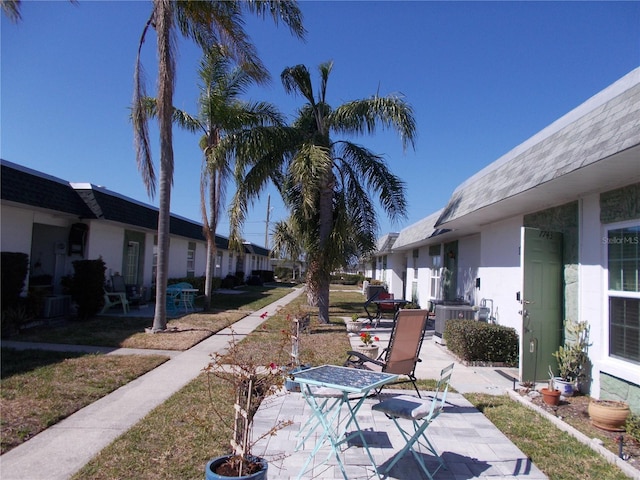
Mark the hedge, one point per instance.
(474, 341)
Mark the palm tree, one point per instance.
(208, 23)
(327, 184)
(220, 112)
(287, 244)
(11, 9)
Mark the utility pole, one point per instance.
(266, 231)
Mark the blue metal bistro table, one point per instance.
(343, 381)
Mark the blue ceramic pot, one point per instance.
(214, 463)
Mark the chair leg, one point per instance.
(410, 440)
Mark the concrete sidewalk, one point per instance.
(473, 443)
(64, 448)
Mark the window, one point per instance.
(191, 259)
(230, 266)
(623, 260)
(131, 266)
(436, 268)
(384, 269)
(154, 262)
(218, 266)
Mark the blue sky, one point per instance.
(482, 77)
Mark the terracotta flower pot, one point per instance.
(550, 397)
(608, 414)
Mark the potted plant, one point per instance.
(251, 382)
(354, 325)
(550, 394)
(572, 357)
(367, 347)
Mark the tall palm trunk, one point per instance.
(210, 228)
(166, 76)
(322, 274)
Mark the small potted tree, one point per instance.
(573, 358)
(550, 394)
(251, 382)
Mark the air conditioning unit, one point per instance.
(450, 312)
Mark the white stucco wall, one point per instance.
(592, 283)
(424, 277)
(15, 227)
(105, 240)
(499, 273)
(393, 275)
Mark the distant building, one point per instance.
(56, 222)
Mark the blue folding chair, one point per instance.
(421, 412)
(173, 299)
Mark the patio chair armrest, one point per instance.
(358, 360)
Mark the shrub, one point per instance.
(229, 282)
(283, 273)
(87, 286)
(266, 276)
(474, 341)
(13, 318)
(347, 279)
(14, 269)
(633, 426)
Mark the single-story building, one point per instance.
(548, 232)
(56, 222)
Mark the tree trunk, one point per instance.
(163, 18)
(320, 274)
(209, 269)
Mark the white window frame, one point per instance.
(616, 293)
(191, 259)
(616, 366)
(435, 275)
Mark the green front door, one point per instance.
(541, 302)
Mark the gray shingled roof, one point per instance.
(386, 242)
(606, 124)
(419, 232)
(22, 185)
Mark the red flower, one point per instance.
(376, 339)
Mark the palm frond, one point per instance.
(362, 116)
(285, 10)
(11, 9)
(139, 119)
(297, 80)
(371, 170)
(325, 70)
